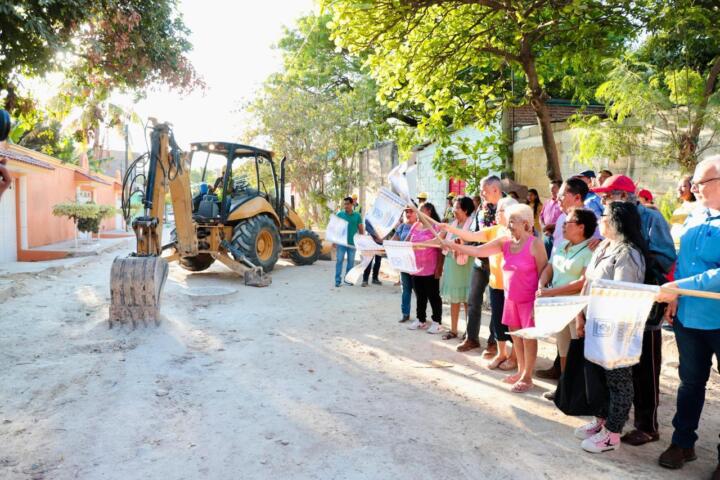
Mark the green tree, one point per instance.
(457, 58)
(320, 111)
(664, 94)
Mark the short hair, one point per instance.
(466, 205)
(432, 212)
(524, 212)
(505, 203)
(577, 187)
(557, 183)
(491, 180)
(348, 199)
(586, 218)
(606, 172)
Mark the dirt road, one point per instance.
(299, 380)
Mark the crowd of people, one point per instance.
(592, 227)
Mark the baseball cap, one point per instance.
(451, 195)
(616, 182)
(644, 193)
(354, 196)
(587, 173)
(422, 195)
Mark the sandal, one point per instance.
(497, 361)
(638, 437)
(521, 387)
(508, 365)
(449, 336)
(512, 379)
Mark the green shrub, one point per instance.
(87, 216)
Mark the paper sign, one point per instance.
(356, 272)
(385, 213)
(552, 314)
(615, 322)
(366, 243)
(398, 181)
(337, 231)
(401, 256)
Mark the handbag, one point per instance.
(582, 389)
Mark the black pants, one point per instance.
(646, 382)
(498, 331)
(478, 283)
(375, 264)
(427, 289)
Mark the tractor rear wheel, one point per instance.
(198, 263)
(308, 248)
(259, 240)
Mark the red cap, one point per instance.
(646, 195)
(616, 182)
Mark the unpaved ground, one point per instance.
(299, 380)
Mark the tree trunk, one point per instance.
(687, 156)
(538, 96)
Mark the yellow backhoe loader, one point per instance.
(242, 221)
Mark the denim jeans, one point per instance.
(406, 281)
(342, 251)
(696, 348)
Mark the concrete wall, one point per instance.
(529, 163)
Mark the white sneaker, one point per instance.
(434, 328)
(603, 441)
(589, 429)
(415, 325)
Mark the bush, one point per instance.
(87, 216)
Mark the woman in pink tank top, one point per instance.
(524, 257)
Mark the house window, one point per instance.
(83, 196)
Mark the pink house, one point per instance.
(39, 183)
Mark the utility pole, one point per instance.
(126, 158)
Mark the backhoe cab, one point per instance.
(248, 197)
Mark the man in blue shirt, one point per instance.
(646, 375)
(697, 324)
(354, 225)
(592, 200)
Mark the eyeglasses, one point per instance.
(702, 182)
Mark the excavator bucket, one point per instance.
(136, 284)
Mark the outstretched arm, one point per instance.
(489, 249)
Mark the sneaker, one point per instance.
(337, 285)
(589, 429)
(549, 395)
(364, 284)
(675, 457)
(376, 281)
(404, 318)
(424, 325)
(434, 328)
(415, 325)
(603, 441)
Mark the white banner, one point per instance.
(386, 211)
(552, 314)
(337, 231)
(356, 272)
(398, 181)
(615, 322)
(401, 256)
(365, 243)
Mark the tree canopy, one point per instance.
(456, 58)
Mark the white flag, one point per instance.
(398, 181)
(356, 272)
(552, 314)
(365, 243)
(401, 256)
(337, 231)
(386, 212)
(615, 322)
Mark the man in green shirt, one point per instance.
(354, 225)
